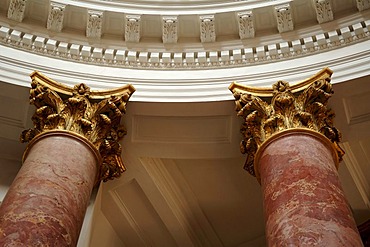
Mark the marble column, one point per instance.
(73, 146)
(292, 149)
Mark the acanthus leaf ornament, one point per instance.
(16, 10)
(246, 25)
(169, 29)
(207, 28)
(94, 24)
(132, 28)
(95, 115)
(266, 112)
(324, 12)
(55, 17)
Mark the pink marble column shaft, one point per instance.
(46, 203)
(303, 200)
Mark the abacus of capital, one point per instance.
(292, 148)
(73, 146)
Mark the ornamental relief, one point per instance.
(363, 4)
(96, 120)
(55, 18)
(323, 9)
(16, 10)
(207, 29)
(94, 24)
(285, 110)
(284, 18)
(132, 28)
(246, 26)
(169, 29)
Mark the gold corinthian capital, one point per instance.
(268, 111)
(94, 115)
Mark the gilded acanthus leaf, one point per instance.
(96, 120)
(285, 110)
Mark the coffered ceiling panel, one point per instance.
(16, 117)
(211, 129)
(140, 215)
(113, 23)
(224, 192)
(352, 108)
(344, 6)
(226, 25)
(75, 18)
(185, 130)
(264, 19)
(189, 26)
(303, 12)
(4, 6)
(356, 110)
(41, 7)
(15, 111)
(151, 26)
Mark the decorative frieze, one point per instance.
(16, 10)
(169, 29)
(207, 28)
(363, 4)
(173, 60)
(268, 111)
(284, 18)
(96, 115)
(94, 24)
(323, 10)
(55, 18)
(132, 28)
(246, 26)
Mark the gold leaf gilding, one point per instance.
(266, 112)
(95, 115)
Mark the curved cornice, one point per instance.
(186, 72)
(200, 85)
(172, 7)
(219, 57)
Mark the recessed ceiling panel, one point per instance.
(230, 198)
(41, 7)
(75, 18)
(151, 26)
(189, 27)
(114, 23)
(264, 18)
(226, 24)
(131, 213)
(303, 12)
(167, 129)
(357, 107)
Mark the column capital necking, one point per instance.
(267, 111)
(94, 115)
